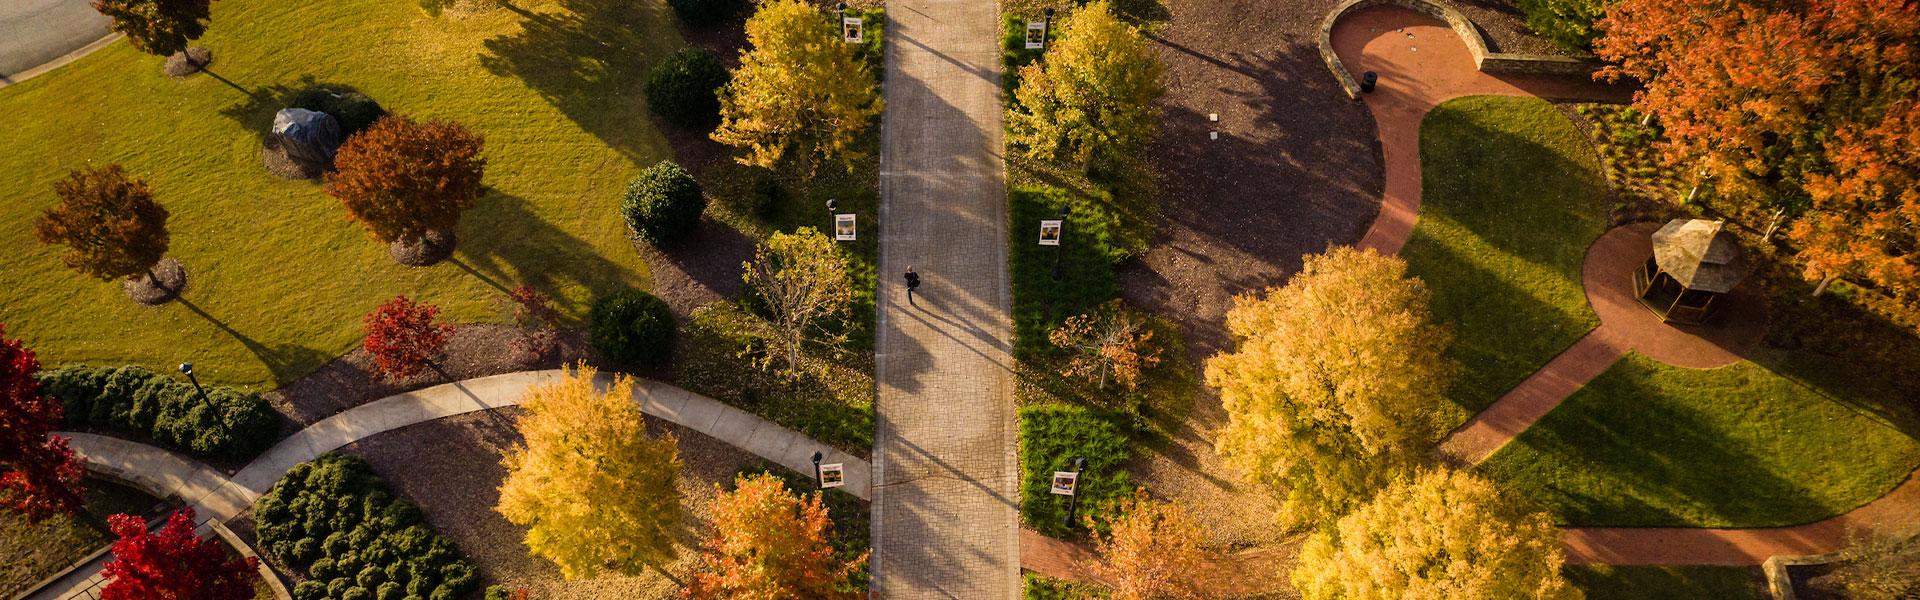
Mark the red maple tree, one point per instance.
(402, 336)
(39, 474)
(173, 563)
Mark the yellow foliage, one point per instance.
(1091, 97)
(1153, 551)
(1337, 384)
(799, 87)
(594, 490)
(1443, 535)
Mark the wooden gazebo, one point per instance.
(1694, 261)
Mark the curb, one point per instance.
(7, 80)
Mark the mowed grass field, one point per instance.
(279, 278)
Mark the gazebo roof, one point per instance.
(1699, 254)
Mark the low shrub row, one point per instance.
(1051, 436)
(333, 523)
(222, 423)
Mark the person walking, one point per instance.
(913, 283)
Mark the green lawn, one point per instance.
(1646, 444)
(1513, 196)
(1607, 582)
(279, 278)
(30, 552)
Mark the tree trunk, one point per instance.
(1824, 282)
(1774, 224)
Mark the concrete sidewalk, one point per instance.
(36, 32)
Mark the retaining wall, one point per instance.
(1487, 62)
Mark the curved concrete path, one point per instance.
(38, 35)
(216, 497)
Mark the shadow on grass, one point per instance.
(503, 241)
(287, 362)
(589, 60)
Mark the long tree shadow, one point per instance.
(287, 362)
(589, 59)
(503, 240)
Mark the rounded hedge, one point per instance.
(353, 110)
(704, 13)
(632, 327)
(309, 590)
(684, 89)
(663, 204)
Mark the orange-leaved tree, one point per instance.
(1110, 343)
(109, 222)
(1152, 551)
(404, 179)
(768, 542)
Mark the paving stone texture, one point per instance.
(945, 522)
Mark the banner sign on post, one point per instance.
(854, 31)
(833, 475)
(843, 229)
(1050, 233)
(1036, 35)
(1063, 482)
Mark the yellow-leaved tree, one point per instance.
(595, 492)
(798, 89)
(1152, 551)
(1336, 386)
(803, 279)
(770, 543)
(1441, 535)
(1090, 99)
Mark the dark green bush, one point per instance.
(632, 327)
(663, 204)
(353, 110)
(1051, 437)
(309, 590)
(1569, 23)
(225, 423)
(704, 13)
(498, 592)
(389, 555)
(684, 89)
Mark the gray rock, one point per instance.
(307, 135)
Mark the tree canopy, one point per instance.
(596, 493)
(158, 27)
(768, 542)
(1442, 535)
(1336, 385)
(1091, 98)
(803, 279)
(403, 178)
(1152, 551)
(798, 89)
(39, 474)
(173, 563)
(109, 222)
(402, 336)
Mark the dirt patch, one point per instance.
(451, 468)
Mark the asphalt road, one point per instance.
(33, 32)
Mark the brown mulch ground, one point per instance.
(451, 468)
(1505, 27)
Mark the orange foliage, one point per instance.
(403, 178)
(770, 544)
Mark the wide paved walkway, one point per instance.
(36, 32)
(945, 496)
(214, 496)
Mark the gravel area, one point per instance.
(1505, 27)
(451, 468)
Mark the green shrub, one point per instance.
(1041, 587)
(663, 204)
(498, 592)
(309, 590)
(1569, 23)
(222, 423)
(632, 327)
(333, 495)
(704, 13)
(1086, 254)
(1013, 50)
(684, 89)
(1051, 436)
(873, 40)
(353, 110)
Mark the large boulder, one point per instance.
(306, 135)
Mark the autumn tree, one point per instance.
(402, 336)
(596, 493)
(1800, 110)
(1336, 385)
(798, 89)
(158, 27)
(1440, 535)
(803, 280)
(39, 474)
(1110, 343)
(1153, 551)
(407, 180)
(1091, 98)
(768, 542)
(109, 222)
(173, 563)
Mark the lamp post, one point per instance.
(187, 369)
(1060, 249)
(832, 206)
(1046, 17)
(1073, 501)
(816, 470)
(842, 9)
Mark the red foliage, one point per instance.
(173, 563)
(403, 178)
(402, 336)
(533, 312)
(39, 474)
